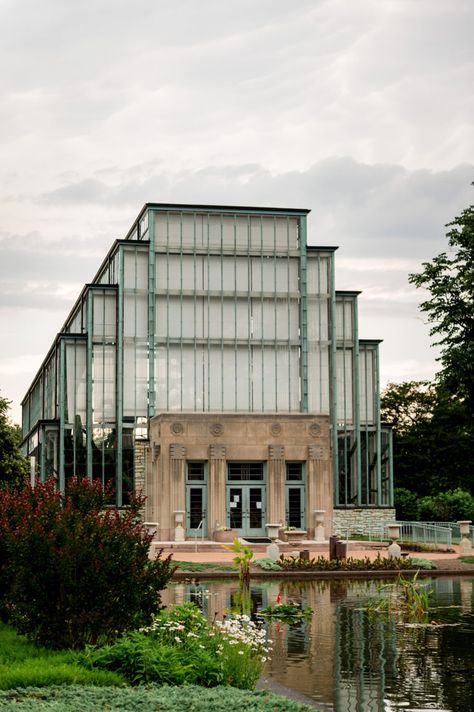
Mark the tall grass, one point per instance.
(24, 664)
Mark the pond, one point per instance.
(355, 661)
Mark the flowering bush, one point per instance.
(181, 647)
(73, 572)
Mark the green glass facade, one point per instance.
(209, 309)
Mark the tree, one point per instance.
(432, 439)
(450, 308)
(72, 570)
(13, 466)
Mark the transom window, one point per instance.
(196, 472)
(294, 472)
(245, 471)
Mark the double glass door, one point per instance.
(246, 509)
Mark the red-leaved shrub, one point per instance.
(73, 571)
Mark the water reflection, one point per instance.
(359, 663)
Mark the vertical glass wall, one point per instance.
(319, 289)
(227, 313)
(346, 399)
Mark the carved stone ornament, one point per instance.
(216, 429)
(276, 452)
(275, 429)
(217, 452)
(177, 451)
(314, 430)
(177, 428)
(315, 452)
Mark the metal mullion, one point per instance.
(208, 319)
(303, 315)
(62, 386)
(262, 315)
(195, 310)
(119, 373)
(222, 312)
(356, 404)
(288, 264)
(89, 389)
(167, 311)
(377, 425)
(275, 320)
(151, 314)
(181, 310)
(320, 336)
(333, 376)
(249, 321)
(235, 313)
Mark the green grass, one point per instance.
(467, 559)
(146, 699)
(195, 566)
(23, 664)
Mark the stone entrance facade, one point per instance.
(278, 448)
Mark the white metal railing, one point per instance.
(437, 533)
(425, 533)
(455, 530)
(199, 527)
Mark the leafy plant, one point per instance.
(74, 572)
(180, 647)
(291, 613)
(407, 598)
(242, 558)
(295, 563)
(267, 564)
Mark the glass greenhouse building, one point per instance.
(212, 364)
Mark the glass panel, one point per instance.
(255, 507)
(196, 507)
(294, 471)
(244, 471)
(235, 507)
(294, 507)
(196, 471)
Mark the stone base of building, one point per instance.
(209, 472)
(363, 521)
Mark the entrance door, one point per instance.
(246, 509)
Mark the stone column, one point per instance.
(319, 488)
(177, 477)
(276, 484)
(216, 509)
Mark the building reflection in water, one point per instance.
(343, 657)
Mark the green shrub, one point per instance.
(181, 647)
(266, 564)
(78, 572)
(295, 563)
(149, 699)
(447, 507)
(406, 504)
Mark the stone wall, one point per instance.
(363, 521)
(140, 452)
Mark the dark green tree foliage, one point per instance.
(72, 571)
(450, 308)
(13, 467)
(432, 438)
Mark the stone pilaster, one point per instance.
(276, 484)
(178, 477)
(216, 485)
(319, 494)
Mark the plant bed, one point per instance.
(167, 699)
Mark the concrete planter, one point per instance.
(225, 536)
(295, 536)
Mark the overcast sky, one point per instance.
(361, 110)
